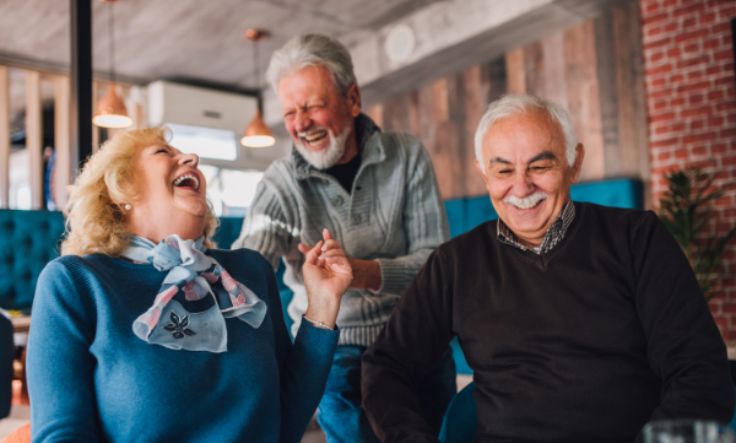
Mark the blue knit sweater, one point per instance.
(90, 378)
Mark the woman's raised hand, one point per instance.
(327, 275)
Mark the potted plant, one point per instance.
(685, 209)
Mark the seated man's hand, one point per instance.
(366, 274)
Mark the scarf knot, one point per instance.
(195, 298)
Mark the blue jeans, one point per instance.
(340, 415)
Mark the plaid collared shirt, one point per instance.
(554, 234)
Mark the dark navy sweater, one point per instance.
(585, 343)
(90, 378)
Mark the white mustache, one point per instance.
(526, 202)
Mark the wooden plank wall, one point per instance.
(34, 137)
(34, 103)
(4, 136)
(593, 69)
(65, 158)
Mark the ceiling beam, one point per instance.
(13, 60)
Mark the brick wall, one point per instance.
(691, 103)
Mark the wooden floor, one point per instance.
(19, 415)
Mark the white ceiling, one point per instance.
(201, 41)
(186, 39)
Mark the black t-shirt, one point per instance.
(346, 172)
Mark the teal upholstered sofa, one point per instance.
(29, 239)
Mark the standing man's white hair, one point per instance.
(514, 104)
(312, 50)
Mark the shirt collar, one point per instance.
(552, 237)
(365, 128)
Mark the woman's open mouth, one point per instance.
(187, 181)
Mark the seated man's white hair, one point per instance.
(514, 104)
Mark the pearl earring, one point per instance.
(127, 206)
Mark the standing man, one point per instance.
(581, 322)
(375, 191)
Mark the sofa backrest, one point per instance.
(464, 214)
(29, 239)
(228, 231)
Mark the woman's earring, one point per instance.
(127, 207)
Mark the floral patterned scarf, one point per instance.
(188, 313)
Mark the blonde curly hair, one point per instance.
(95, 222)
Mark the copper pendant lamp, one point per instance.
(111, 111)
(257, 134)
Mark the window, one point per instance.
(230, 191)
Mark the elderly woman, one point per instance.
(143, 332)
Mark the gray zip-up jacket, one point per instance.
(394, 215)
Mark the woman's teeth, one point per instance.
(187, 180)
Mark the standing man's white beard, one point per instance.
(329, 157)
(526, 202)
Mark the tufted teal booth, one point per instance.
(463, 214)
(28, 240)
(228, 231)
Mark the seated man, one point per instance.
(581, 322)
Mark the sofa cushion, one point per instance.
(28, 240)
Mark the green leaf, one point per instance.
(685, 210)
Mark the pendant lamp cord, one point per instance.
(111, 19)
(258, 71)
